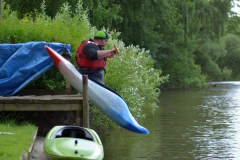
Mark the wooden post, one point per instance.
(68, 85)
(78, 119)
(85, 102)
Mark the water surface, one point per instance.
(189, 124)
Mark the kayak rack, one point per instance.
(44, 100)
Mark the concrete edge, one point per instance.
(26, 155)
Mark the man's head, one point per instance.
(101, 38)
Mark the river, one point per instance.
(188, 124)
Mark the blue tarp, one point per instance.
(21, 64)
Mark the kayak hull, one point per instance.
(73, 143)
(105, 99)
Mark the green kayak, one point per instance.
(73, 143)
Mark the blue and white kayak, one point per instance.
(106, 100)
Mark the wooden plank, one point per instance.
(76, 97)
(44, 99)
(41, 103)
(40, 107)
(66, 99)
(23, 99)
(38, 92)
(15, 99)
(7, 100)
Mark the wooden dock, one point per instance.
(38, 100)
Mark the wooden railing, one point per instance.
(42, 100)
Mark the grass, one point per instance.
(15, 139)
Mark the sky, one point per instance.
(236, 8)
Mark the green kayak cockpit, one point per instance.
(73, 143)
(73, 132)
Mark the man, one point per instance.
(91, 56)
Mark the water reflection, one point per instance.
(189, 124)
(217, 136)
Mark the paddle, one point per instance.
(115, 52)
(116, 49)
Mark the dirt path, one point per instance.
(37, 150)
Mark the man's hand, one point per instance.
(111, 55)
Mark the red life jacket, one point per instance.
(84, 61)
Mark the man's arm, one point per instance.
(93, 52)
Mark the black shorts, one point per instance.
(95, 75)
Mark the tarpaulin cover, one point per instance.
(21, 64)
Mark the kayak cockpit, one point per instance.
(74, 132)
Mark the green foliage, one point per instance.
(15, 117)
(72, 26)
(67, 27)
(231, 60)
(183, 72)
(207, 54)
(103, 13)
(134, 66)
(101, 121)
(52, 80)
(226, 73)
(233, 26)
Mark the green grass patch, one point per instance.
(15, 139)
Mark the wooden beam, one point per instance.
(41, 103)
(40, 107)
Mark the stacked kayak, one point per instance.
(73, 143)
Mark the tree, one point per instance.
(207, 21)
(179, 33)
(232, 58)
(0, 9)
